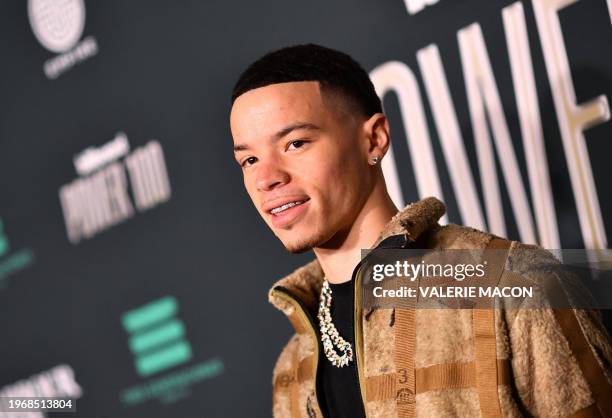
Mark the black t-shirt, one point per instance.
(340, 386)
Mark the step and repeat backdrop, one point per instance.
(133, 268)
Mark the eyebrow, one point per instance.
(282, 133)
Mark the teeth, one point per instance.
(286, 206)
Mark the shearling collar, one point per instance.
(414, 219)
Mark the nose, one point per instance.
(270, 175)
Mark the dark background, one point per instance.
(164, 71)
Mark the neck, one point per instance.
(341, 254)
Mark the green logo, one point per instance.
(157, 336)
(4, 244)
(11, 263)
(157, 340)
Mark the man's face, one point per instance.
(303, 156)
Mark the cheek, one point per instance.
(333, 163)
(249, 186)
(335, 184)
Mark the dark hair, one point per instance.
(333, 69)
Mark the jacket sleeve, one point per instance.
(561, 358)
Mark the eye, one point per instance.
(248, 162)
(298, 143)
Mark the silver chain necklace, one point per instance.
(330, 336)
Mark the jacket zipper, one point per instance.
(358, 322)
(287, 295)
(357, 326)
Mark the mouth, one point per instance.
(282, 208)
(288, 213)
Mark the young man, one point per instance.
(309, 134)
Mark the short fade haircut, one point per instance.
(334, 70)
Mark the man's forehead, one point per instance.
(282, 96)
(268, 109)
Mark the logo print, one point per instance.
(404, 396)
(57, 24)
(285, 380)
(157, 336)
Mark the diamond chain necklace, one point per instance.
(330, 336)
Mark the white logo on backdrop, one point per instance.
(57, 24)
(484, 102)
(99, 198)
(58, 382)
(415, 6)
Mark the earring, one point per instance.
(375, 160)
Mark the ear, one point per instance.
(376, 130)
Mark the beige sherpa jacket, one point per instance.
(449, 362)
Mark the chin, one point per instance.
(297, 245)
(299, 248)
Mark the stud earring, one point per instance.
(375, 160)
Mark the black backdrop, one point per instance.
(160, 73)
